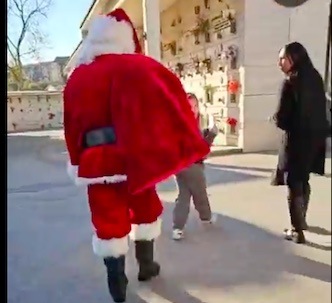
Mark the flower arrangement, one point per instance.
(207, 63)
(179, 68)
(232, 52)
(233, 86)
(232, 22)
(202, 27)
(232, 122)
(209, 91)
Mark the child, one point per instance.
(191, 181)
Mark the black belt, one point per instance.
(100, 136)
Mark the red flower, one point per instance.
(233, 86)
(231, 121)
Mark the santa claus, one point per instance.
(128, 125)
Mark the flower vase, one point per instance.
(232, 129)
(232, 98)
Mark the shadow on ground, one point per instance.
(36, 146)
(49, 242)
(50, 258)
(319, 231)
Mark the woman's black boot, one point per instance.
(306, 196)
(296, 210)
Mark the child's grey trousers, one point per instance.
(192, 184)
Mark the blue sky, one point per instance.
(62, 27)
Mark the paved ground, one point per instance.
(243, 259)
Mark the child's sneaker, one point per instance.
(177, 234)
(213, 219)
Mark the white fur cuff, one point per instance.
(72, 171)
(115, 247)
(146, 232)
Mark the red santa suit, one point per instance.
(128, 125)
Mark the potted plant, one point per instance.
(232, 22)
(172, 47)
(207, 64)
(202, 27)
(196, 32)
(207, 4)
(232, 53)
(197, 65)
(209, 91)
(179, 69)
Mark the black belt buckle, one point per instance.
(100, 136)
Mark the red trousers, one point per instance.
(115, 213)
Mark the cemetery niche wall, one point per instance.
(201, 44)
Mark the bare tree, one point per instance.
(24, 37)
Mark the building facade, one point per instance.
(51, 71)
(226, 53)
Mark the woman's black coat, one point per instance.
(301, 114)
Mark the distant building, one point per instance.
(54, 88)
(51, 71)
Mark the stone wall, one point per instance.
(199, 43)
(36, 110)
(262, 28)
(269, 26)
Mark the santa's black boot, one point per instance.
(144, 256)
(116, 278)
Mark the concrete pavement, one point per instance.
(241, 259)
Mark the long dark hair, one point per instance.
(299, 56)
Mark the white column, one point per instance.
(151, 27)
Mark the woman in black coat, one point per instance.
(301, 114)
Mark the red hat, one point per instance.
(120, 15)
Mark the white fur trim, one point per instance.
(106, 35)
(100, 180)
(115, 247)
(72, 171)
(146, 231)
